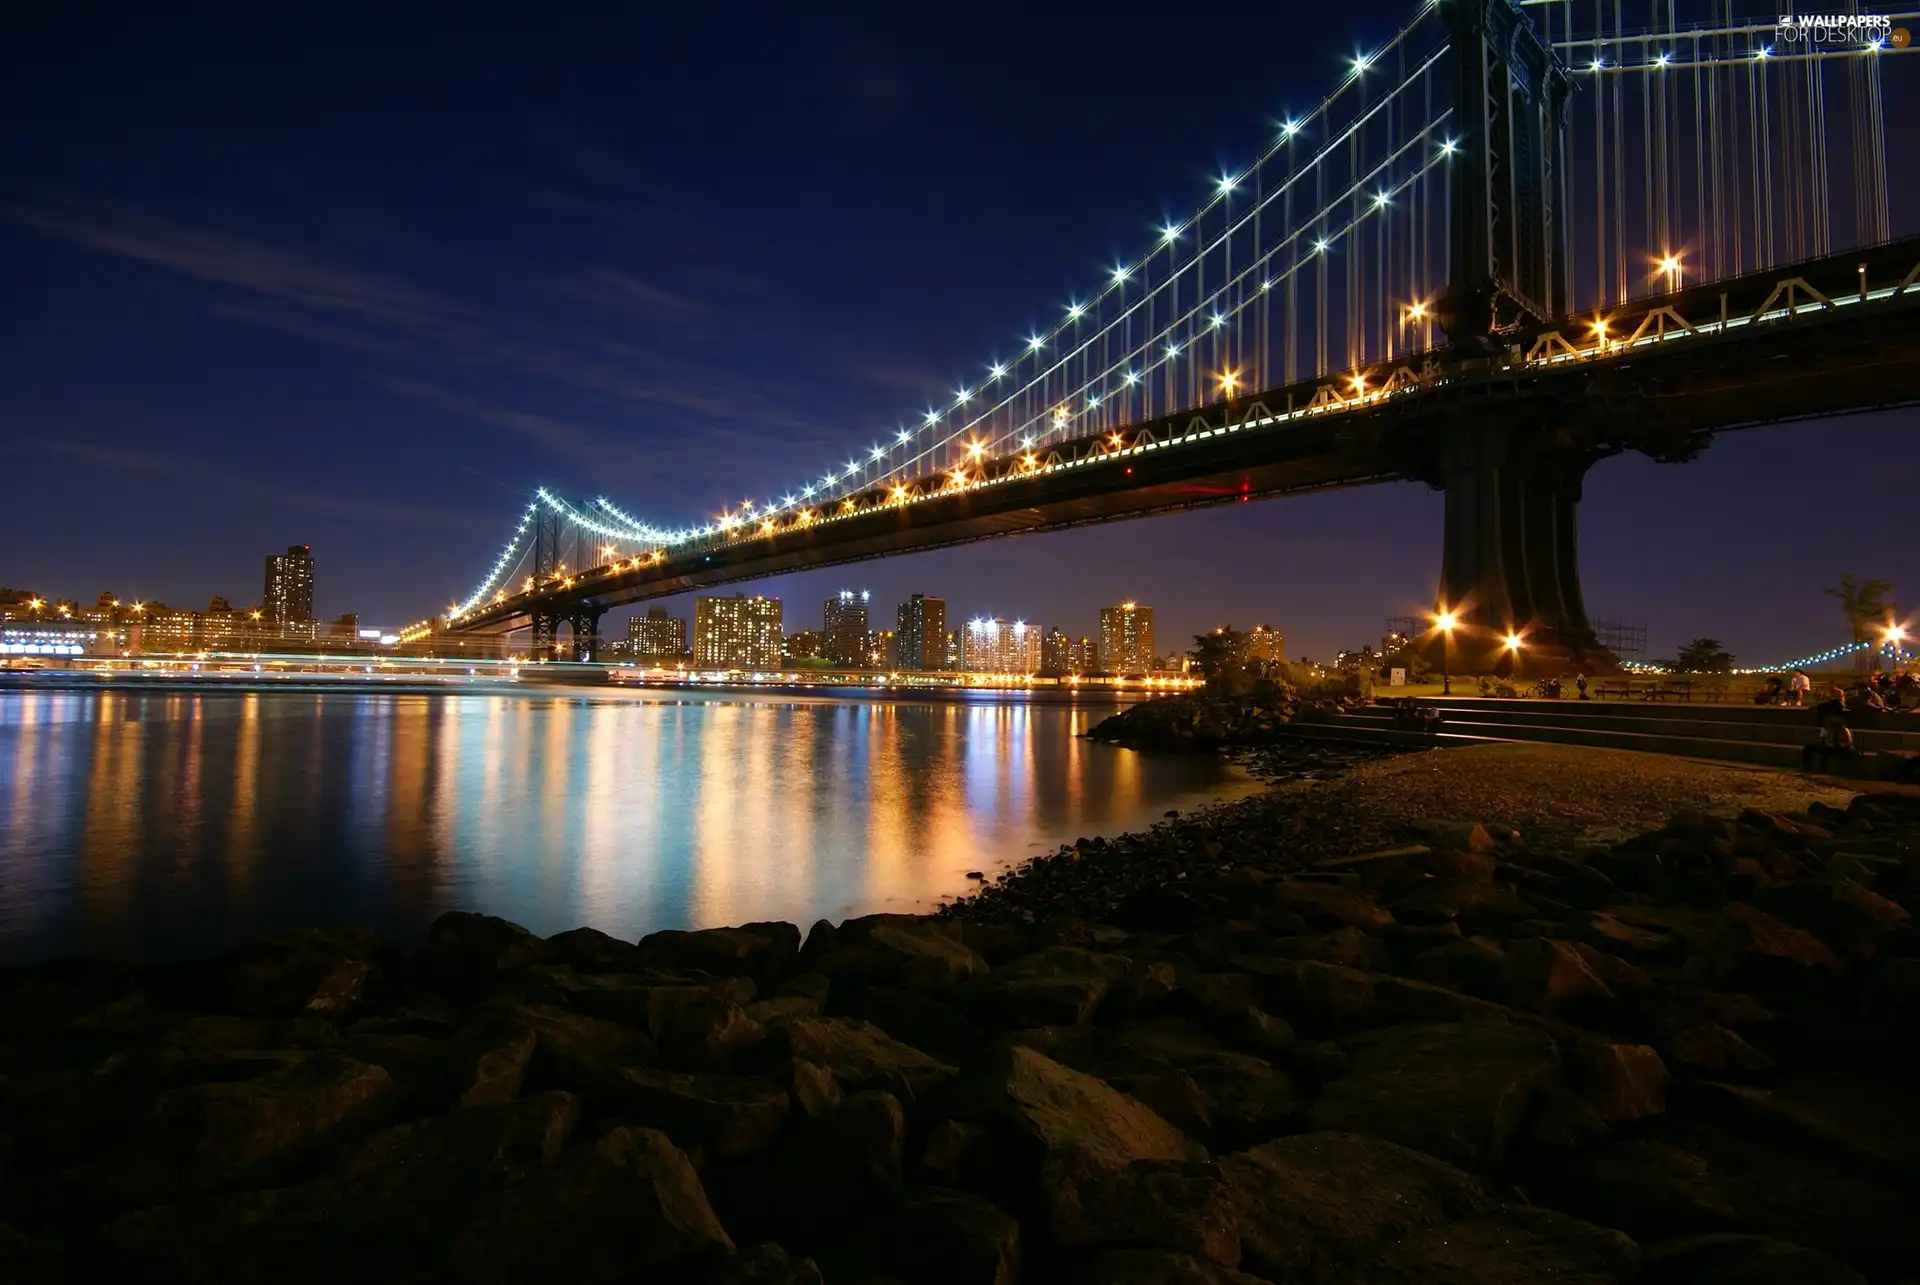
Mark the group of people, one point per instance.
(1877, 691)
(1411, 716)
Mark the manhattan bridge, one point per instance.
(1513, 240)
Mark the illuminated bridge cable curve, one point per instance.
(1338, 269)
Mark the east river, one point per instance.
(156, 823)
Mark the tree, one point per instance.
(1701, 656)
(1221, 659)
(1864, 604)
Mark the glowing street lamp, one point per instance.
(1445, 621)
(1893, 637)
(1670, 265)
(1230, 382)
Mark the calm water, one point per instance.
(155, 823)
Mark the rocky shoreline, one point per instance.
(1300, 1037)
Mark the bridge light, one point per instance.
(1028, 461)
(1763, 53)
(1093, 401)
(1290, 128)
(1227, 184)
(1670, 265)
(1512, 643)
(1075, 311)
(1663, 59)
(1382, 198)
(1267, 284)
(766, 528)
(1598, 64)
(1320, 246)
(1445, 621)
(877, 453)
(527, 587)
(847, 505)
(1035, 343)
(900, 492)
(1417, 310)
(1361, 63)
(1229, 382)
(1116, 440)
(933, 417)
(1027, 440)
(976, 449)
(1120, 276)
(1600, 328)
(1448, 147)
(1132, 377)
(962, 396)
(1170, 233)
(1360, 383)
(1173, 350)
(959, 477)
(996, 370)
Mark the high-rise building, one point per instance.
(846, 628)
(1083, 656)
(656, 636)
(921, 639)
(806, 644)
(1265, 645)
(1126, 639)
(289, 593)
(882, 652)
(1056, 653)
(997, 647)
(737, 632)
(956, 654)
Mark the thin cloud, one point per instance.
(348, 509)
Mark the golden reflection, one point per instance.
(112, 817)
(244, 813)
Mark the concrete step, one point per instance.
(1871, 733)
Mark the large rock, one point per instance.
(626, 1207)
(1622, 1082)
(1517, 1245)
(1730, 1258)
(1331, 905)
(1471, 965)
(1061, 1142)
(1316, 1206)
(577, 1052)
(721, 1114)
(1549, 976)
(1749, 948)
(1476, 904)
(767, 1265)
(473, 949)
(1847, 917)
(231, 1128)
(895, 950)
(588, 950)
(1154, 1267)
(1164, 1204)
(1060, 984)
(952, 1238)
(763, 950)
(862, 1056)
(1455, 1090)
(490, 1068)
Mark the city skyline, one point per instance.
(557, 306)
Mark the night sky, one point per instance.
(362, 279)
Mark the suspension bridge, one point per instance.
(1514, 240)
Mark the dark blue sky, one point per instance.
(362, 278)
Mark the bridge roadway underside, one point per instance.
(1508, 444)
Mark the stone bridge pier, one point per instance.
(1511, 563)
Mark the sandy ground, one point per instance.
(1575, 791)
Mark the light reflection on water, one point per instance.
(162, 823)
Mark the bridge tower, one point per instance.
(546, 563)
(1510, 562)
